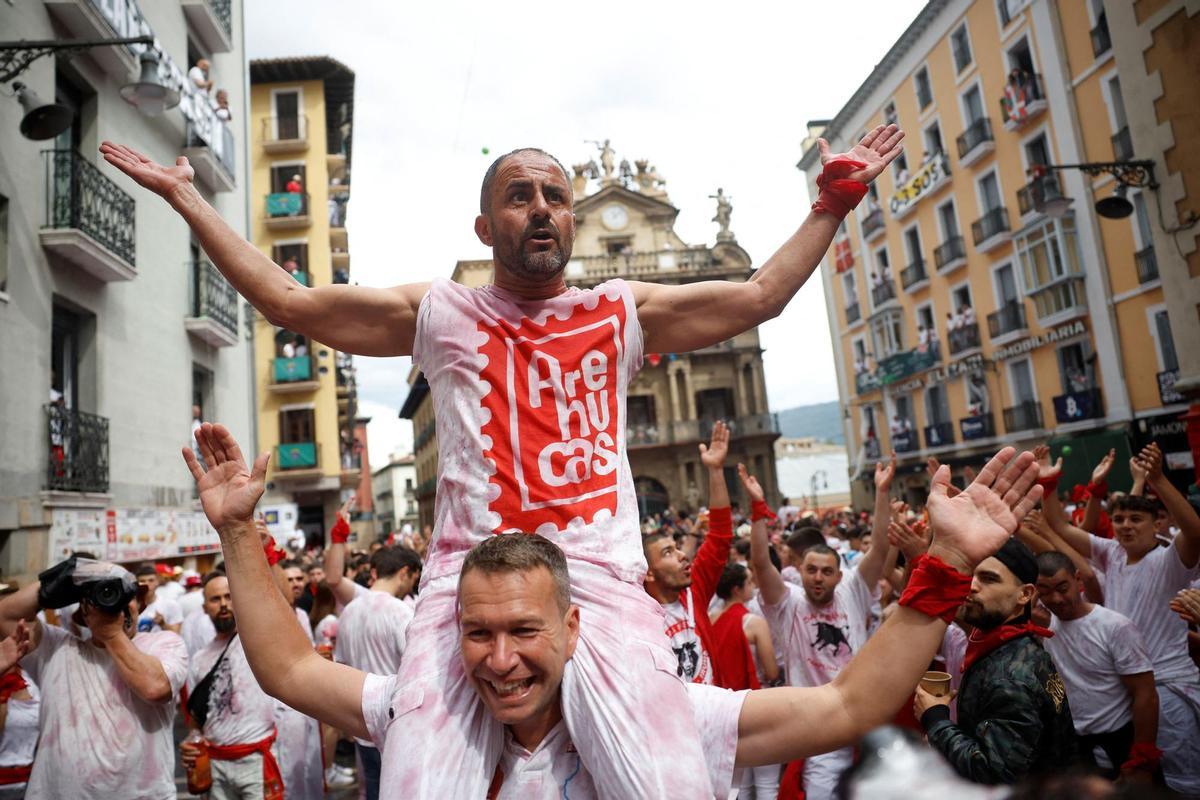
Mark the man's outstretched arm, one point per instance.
(770, 582)
(677, 319)
(335, 557)
(280, 655)
(352, 319)
(779, 725)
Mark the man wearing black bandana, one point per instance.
(1013, 717)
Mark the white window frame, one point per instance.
(964, 90)
(1106, 92)
(1011, 44)
(932, 107)
(916, 225)
(851, 293)
(964, 284)
(919, 307)
(1042, 130)
(1014, 24)
(979, 179)
(965, 72)
(935, 119)
(1018, 281)
(943, 234)
(1012, 384)
(299, 92)
(1151, 313)
(1138, 241)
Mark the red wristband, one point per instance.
(1143, 755)
(1049, 484)
(935, 588)
(839, 194)
(274, 552)
(340, 533)
(760, 510)
(1098, 490)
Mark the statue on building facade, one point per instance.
(626, 173)
(648, 179)
(724, 212)
(607, 154)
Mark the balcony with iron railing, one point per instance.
(975, 142)
(980, 426)
(297, 461)
(293, 375)
(1024, 99)
(883, 292)
(700, 430)
(906, 441)
(963, 339)
(940, 434)
(914, 274)
(77, 447)
(212, 20)
(1122, 145)
(1024, 416)
(89, 219)
(285, 134)
(212, 155)
(1147, 264)
(872, 224)
(694, 260)
(991, 230)
(286, 210)
(853, 313)
(1101, 40)
(950, 254)
(213, 314)
(1008, 320)
(1078, 406)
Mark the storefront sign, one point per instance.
(1062, 332)
(975, 427)
(956, 369)
(130, 534)
(932, 174)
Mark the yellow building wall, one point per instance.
(317, 236)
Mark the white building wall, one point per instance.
(137, 369)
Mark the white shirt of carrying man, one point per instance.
(239, 713)
(817, 642)
(96, 734)
(554, 769)
(197, 632)
(299, 742)
(1092, 653)
(1141, 592)
(529, 398)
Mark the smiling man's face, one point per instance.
(516, 640)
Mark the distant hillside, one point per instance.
(821, 421)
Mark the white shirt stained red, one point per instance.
(529, 398)
(98, 738)
(239, 711)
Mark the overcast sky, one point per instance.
(713, 95)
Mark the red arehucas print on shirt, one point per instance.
(554, 416)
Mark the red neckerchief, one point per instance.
(979, 645)
(11, 682)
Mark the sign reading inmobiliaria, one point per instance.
(1061, 333)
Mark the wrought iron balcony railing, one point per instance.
(881, 293)
(993, 223)
(1008, 318)
(1024, 97)
(1147, 264)
(939, 434)
(1023, 416)
(913, 274)
(213, 296)
(79, 196)
(964, 338)
(221, 8)
(872, 223)
(948, 252)
(78, 450)
(977, 133)
(853, 313)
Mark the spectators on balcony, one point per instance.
(860, 364)
(198, 75)
(295, 185)
(222, 110)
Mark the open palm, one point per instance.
(877, 149)
(975, 523)
(157, 178)
(229, 490)
(712, 455)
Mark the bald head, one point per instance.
(489, 177)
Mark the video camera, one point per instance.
(105, 586)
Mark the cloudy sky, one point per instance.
(712, 94)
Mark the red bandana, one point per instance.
(979, 645)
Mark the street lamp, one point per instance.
(47, 120)
(1049, 199)
(824, 480)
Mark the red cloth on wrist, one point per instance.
(839, 194)
(340, 533)
(935, 588)
(1049, 484)
(274, 552)
(1098, 490)
(760, 510)
(1143, 755)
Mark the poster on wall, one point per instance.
(131, 534)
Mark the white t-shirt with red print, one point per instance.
(529, 398)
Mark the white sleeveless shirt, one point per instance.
(529, 401)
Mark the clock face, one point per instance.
(614, 217)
